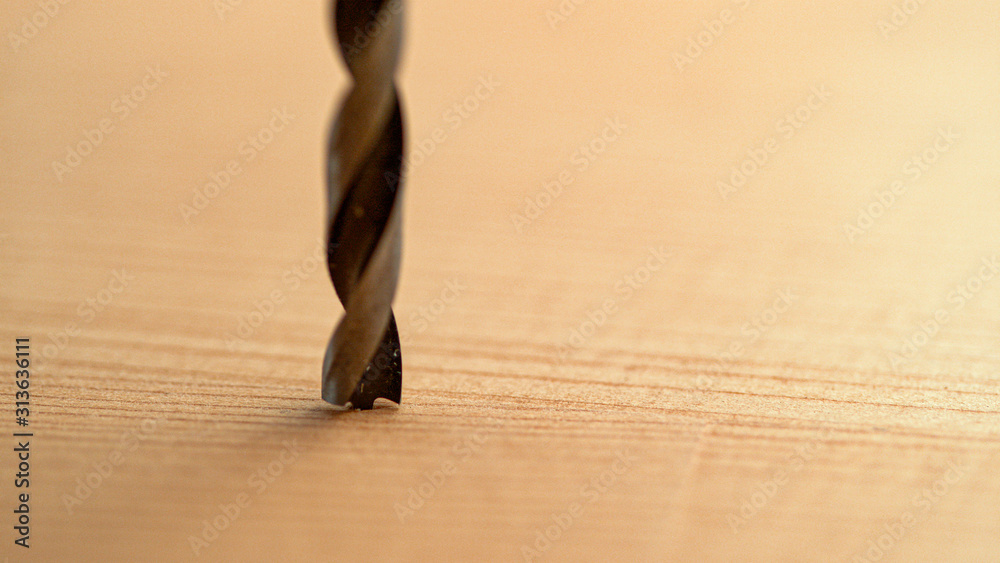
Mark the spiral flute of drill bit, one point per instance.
(363, 360)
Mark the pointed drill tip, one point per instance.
(333, 395)
(359, 399)
(338, 386)
(382, 385)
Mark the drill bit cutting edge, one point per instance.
(363, 360)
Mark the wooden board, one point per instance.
(682, 281)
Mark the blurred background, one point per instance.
(734, 238)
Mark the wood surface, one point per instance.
(749, 379)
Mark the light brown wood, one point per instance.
(809, 441)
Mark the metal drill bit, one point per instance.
(363, 360)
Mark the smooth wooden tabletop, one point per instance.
(683, 281)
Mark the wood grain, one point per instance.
(727, 366)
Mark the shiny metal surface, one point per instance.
(363, 359)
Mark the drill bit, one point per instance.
(363, 360)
